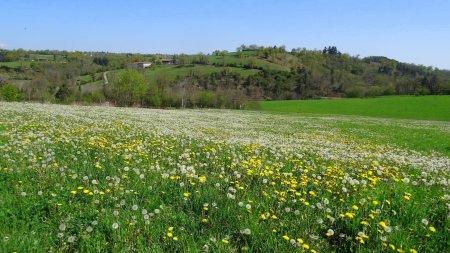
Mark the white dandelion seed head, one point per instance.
(71, 239)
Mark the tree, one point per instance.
(129, 88)
(10, 92)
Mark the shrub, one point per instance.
(10, 92)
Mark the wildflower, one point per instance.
(175, 238)
(115, 226)
(432, 229)
(286, 237)
(186, 194)
(225, 241)
(62, 227)
(305, 246)
(71, 239)
(330, 232)
(350, 215)
(246, 231)
(355, 207)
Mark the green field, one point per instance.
(15, 64)
(247, 59)
(407, 107)
(170, 72)
(105, 179)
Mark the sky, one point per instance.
(406, 30)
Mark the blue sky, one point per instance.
(406, 30)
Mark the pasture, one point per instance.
(102, 179)
(408, 107)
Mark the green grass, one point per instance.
(246, 60)
(104, 179)
(15, 64)
(406, 107)
(170, 73)
(85, 79)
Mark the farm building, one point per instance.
(167, 61)
(141, 65)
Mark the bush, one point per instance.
(252, 105)
(95, 97)
(10, 92)
(356, 92)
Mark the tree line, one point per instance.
(278, 74)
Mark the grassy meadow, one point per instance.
(102, 179)
(408, 107)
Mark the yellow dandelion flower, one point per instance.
(382, 224)
(170, 229)
(73, 192)
(186, 194)
(350, 215)
(169, 234)
(175, 238)
(202, 179)
(305, 246)
(355, 207)
(432, 229)
(225, 241)
(286, 237)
